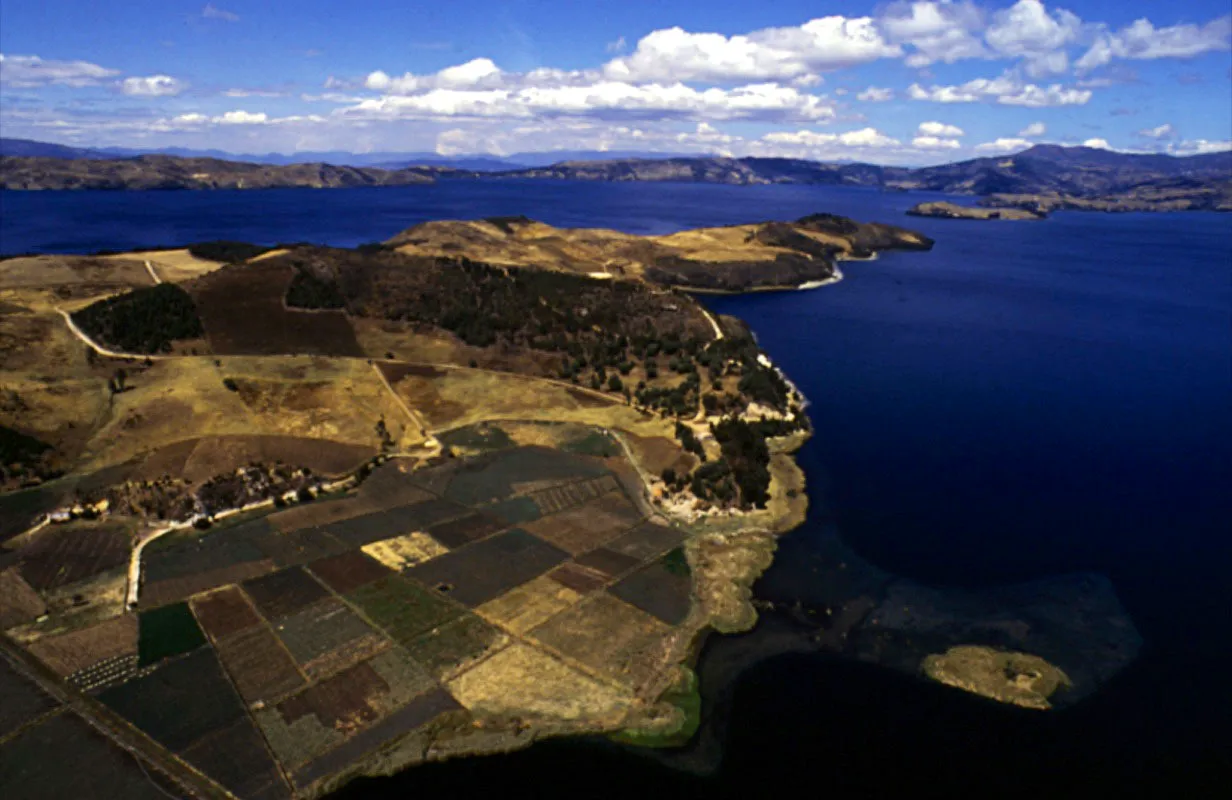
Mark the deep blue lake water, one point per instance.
(1027, 399)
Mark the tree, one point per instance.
(382, 433)
(614, 384)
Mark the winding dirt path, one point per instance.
(98, 348)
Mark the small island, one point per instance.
(946, 210)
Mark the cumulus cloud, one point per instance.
(864, 137)
(196, 120)
(606, 99)
(572, 134)
(212, 11)
(875, 94)
(935, 143)
(939, 129)
(1027, 30)
(1142, 40)
(818, 45)
(1033, 130)
(241, 118)
(618, 46)
(1165, 131)
(1003, 145)
(1098, 144)
(476, 73)
(935, 31)
(27, 72)
(253, 93)
(1199, 147)
(152, 86)
(1004, 90)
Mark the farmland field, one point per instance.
(402, 609)
(167, 631)
(180, 702)
(71, 553)
(244, 314)
(323, 631)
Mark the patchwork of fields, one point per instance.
(521, 587)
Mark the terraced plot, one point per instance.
(180, 702)
(327, 637)
(659, 591)
(402, 609)
(324, 632)
(347, 572)
(481, 571)
(260, 666)
(224, 612)
(284, 592)
(70, 553)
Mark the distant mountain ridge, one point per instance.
(1043, 177)
(477, 162)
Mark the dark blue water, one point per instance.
(1027, 399)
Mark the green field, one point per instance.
(402, 609)
(167, 631)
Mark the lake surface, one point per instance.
(1028, 399)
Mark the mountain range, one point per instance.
(1043, 178)
(480, 162)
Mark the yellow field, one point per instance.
(43, 271)
(338, 400)
(524, 680)
(459, 397)
(171, 266)
(401, 552)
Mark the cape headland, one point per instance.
(272, 518)
(289, 515)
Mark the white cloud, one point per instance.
(864, 137)
(474, 74)
(935, 31)
(1004, 145)
(26, 72)
(1165, 131)
(253, 93)
(1005, 90)
(935, 143)
(1142, 40)
(618, 46)
(1033, 130)
(606, 99)
(195, 120)
(152, 86)
(212, 11)
(1199, 147)
(939, 129)
(874, 94)
(571, 134)
(241, 118)
(674, 54)
(1029, 31)
(1098, 144)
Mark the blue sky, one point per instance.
(898, 82)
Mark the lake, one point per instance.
(1028, 399)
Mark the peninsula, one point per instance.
(273, 518)
(945, 210)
